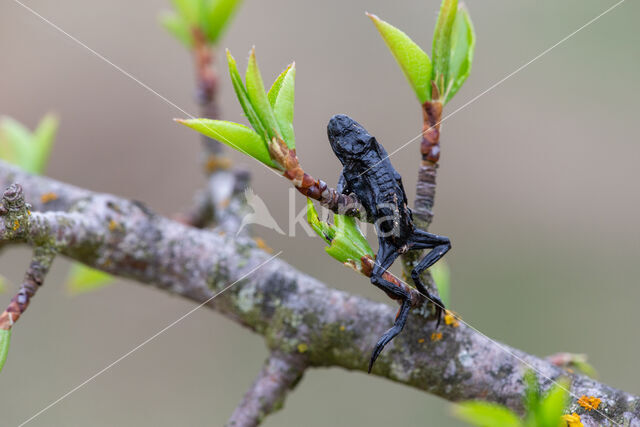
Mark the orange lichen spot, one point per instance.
(589, 402)
(436, 336)
(342, 327)
(48, 197)
(16, 225)
(572, 420)
(302, 347)
(113, 225)
(263, 245)
(451, 319)
(421, 340)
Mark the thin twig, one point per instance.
(16, 218)
(426, 184)
(279, 375)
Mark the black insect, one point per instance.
(369, 175)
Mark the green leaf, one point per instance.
(277, 84)
(15, 142)
(553, 404)
(235, 136)
(346, 242)
(83, 279)
(5, 340)
(217, 17)
(28, 150)
(3, 284)
(413, 61)
(243, 98)
(585, 367)
(485, 414)
(442, 43)
(441, 276)
(348, 245)
(177, 26)
(258, 97)
(322, 229)
(43, 138)
(189, 10)
(463, 42)
(531, 392)
(283, 106)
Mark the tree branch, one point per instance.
(279, 375)
(15, 217)
(294, 312)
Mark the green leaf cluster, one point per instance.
(208, 17)
(26, 149)
(541, 411)
(269, 113)
(453, 46)
(83, 279)
(345, 240)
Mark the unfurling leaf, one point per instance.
(189, 10)
(277, 84)
(485, 414)
(346, 242)
(217, 15)
(243, 97)
(83, 279)
(207, 18)
(26, 149)
(270, 115)
(259, 99)
(463, 41)
(5, 341)
(283, 105)
(177, 26)
(235, 135)
(442, 42)
(322, 229)
(413, 61)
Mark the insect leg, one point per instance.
(439, 246)
(401, 319)
(387, 254)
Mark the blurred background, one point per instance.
(537, 189)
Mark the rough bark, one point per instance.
(295, 313)
(280, 374)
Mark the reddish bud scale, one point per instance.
(430, 145)
(367, 269)
(307, 185)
